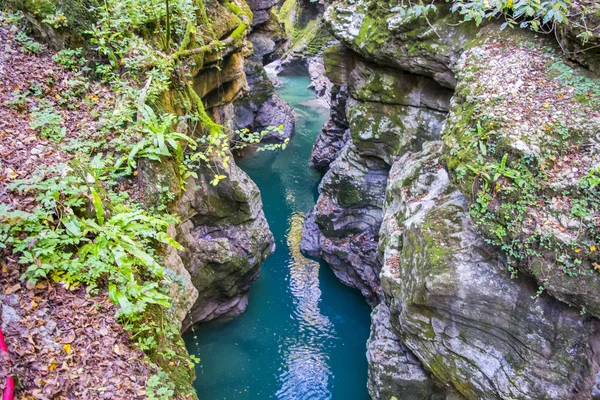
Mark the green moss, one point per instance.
(171, 354)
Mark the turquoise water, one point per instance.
(303, 335)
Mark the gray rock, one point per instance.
(260, 10)
(328, 145)
(319, 82)
(335, 131)
(275, 112)
(383, 36)
(393, 370)
(456, 307)
(262, 107)
(225, 236)
(346, 220)
(349, 210)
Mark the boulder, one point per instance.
(394, 372)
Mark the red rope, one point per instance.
(9, 388)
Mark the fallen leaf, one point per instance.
(12, 289)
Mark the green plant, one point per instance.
(537, 15)
(155, 139)
(57, 20)
(48, 122)
(158, 387)
(592, 179)
(27, 43)
(71, 59)
(18, 101)
(62, 242)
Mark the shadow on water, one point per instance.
(303, 335)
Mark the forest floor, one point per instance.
(62, 343)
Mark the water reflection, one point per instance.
(306, 368)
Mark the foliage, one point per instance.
(83, 233)
(47, 121)
(537, 15)
(60, 241)
(57, 20)
(592, 179)
(71, 59)
(159, 388)
(157, 139)
(27, 43)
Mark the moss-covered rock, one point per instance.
(79, 16)
(304, 27)
(455, 306)
(375, 31)
(522, 151)
(225, 236)
(394, 372)
(385, 131)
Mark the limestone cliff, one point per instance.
(484, 245)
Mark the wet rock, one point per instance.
(275, 112)
(268, 39)
(328, 145)
(263, 107)
(347, 218)
(335, 131)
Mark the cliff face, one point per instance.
(222, 229)
(472, 220)
(387, 114)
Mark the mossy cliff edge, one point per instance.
(482, 253)
(221, 226)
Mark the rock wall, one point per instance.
(386, 114)
(223, 228)
(262, 107)
(484, 244)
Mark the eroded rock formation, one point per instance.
(486, 241)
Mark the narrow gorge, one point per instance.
(297, 199)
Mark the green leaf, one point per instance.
(164, 238)
(72, 226)
(97, 201)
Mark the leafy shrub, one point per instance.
(537, 15)
(48, 122)
(27, 43)
(71, 59)
(59, 241)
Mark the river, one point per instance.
(303, 335)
